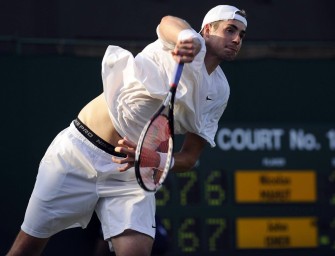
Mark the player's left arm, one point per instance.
(186, 158)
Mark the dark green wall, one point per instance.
(267, 19)
(40, 95)
(269, 90)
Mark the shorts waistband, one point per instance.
(95, 139)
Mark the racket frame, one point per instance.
(167, 102)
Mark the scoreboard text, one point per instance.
(260, 188)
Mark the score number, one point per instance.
(189, 189)
(196, 234)
(192, 200)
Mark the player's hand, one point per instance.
(150, 158)
(186, 50)
(128, 148)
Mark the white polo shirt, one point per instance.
(134, 89)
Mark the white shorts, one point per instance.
(76, 178)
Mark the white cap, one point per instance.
(222, 12)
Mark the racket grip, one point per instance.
(177, 74)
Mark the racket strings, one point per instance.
(156, 140)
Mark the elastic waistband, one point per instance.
(95, 139)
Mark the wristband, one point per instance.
(187, 34)
(162, 162)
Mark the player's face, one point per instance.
(225, 42)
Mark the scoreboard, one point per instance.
(263, 190)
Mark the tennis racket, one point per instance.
(157, 136)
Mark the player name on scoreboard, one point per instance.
(286, 232)
(287, 186)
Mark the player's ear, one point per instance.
(206, 31)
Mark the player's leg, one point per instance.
(128, 218)
(63, 196)
(132, 243)
(27, 245)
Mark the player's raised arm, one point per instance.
(178, 32)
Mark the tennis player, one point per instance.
(89, 166)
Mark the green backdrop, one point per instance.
(40, 95)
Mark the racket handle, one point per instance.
(177, 74)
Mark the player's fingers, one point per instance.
(186, 41)
(125, 167)
(117, 160)
(126, 160)
(184, 55)
(127, 143)
(188, 49)
(184, 51)
(183, 59)
(125, 150)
